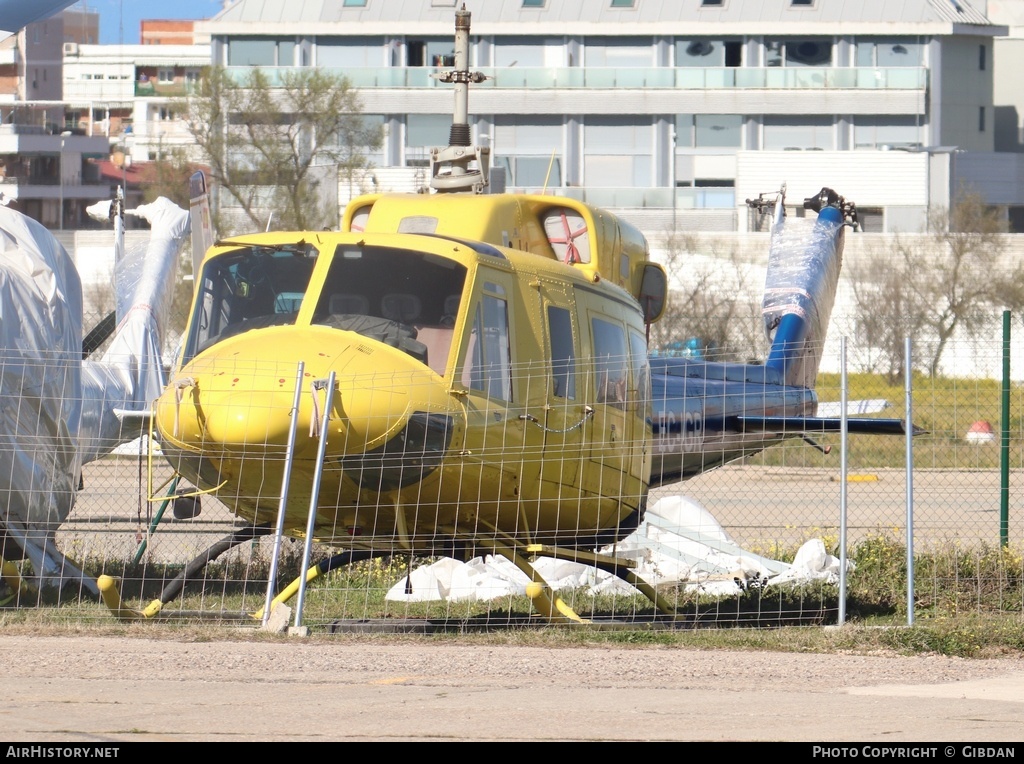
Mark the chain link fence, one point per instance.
(757, 515)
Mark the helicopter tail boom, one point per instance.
(804, 262)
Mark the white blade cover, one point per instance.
(804, 262)
(56, 411)
(40, 389)
(130, 374)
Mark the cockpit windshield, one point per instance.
(403, 298)
(406, 299)
(250, 288)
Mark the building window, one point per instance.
(888, 52)
(261, 51)
(802, 3)
(422, 133)
(527, 51)
(712, 3)
(789, 133)
(623, 3)
(531, 172)
(981, 119)
(534, 3)
(619, 51)
(618, 152)
(981, 57)
(707, 52)
(354, 3)
(429, 52)
(530, 150)
(705, 131)
(365, 132)
(352, 52)
(870, 132)
(797, 52)
(165, 76)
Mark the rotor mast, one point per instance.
(452, 168)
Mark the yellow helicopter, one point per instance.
(476, 368)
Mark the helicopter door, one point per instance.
(494, 432)
(611, 441)
(565, 412)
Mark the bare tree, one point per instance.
(268, 142)
(952, 279)
(169, 178)
(709, 303)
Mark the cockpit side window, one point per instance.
(563, 353)
(251, 288)
(611, 360)
(641, 373)
(488, 366)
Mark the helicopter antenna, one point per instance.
(451, 168)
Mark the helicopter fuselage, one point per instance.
(480, 391)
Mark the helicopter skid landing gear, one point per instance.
(614, 565)
(547, 603)
(112, 597)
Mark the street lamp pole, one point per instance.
(60, 170)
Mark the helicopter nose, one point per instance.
(248, 419)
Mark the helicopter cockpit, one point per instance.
(400, 297)
(249, 288)
(403, 298)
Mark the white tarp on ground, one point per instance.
(678, 542)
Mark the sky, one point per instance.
(119, 19)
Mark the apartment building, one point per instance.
(675, 110)
(127, 92)
(44, 167)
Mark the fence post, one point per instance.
(843, 473)
(1004, 444)
(307, 550)
(288, 457)
(908, 367)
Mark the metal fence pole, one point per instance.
(908, 367)
(307, 550)
(288, 456)
(1004, 443)
(843, 472)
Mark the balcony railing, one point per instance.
(151, 89)
(643, 198)
(683, 78)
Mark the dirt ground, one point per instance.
(105, 691)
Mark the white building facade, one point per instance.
(675, 111)
(127, 92)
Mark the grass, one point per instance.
(944, 407)
(969, 603)
(969, 599)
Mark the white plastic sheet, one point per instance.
(679, 542)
